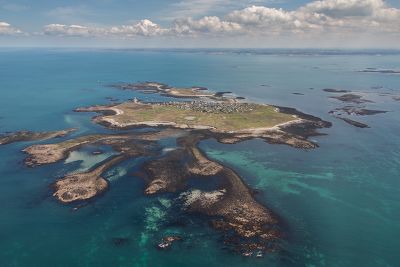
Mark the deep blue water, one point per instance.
(340, 203)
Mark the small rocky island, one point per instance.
(355, 106)
(229, 203)
(24, 136)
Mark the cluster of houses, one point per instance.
(214, 107)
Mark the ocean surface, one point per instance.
(339, 204)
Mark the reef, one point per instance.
(353, 122)
(120, 241)
(384, 71)
(356, 106)
(331, 90)
(25, 136)
(230, 203)
(168, 241)
(352, 98)
(350, 110)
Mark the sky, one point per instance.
(201, 23)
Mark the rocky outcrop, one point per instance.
(85, 185)
(25, 136)
(352, 98)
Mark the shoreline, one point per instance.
(294, 132)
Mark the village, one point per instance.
(213, 106)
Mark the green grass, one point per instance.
(188, 91)
(261, 116)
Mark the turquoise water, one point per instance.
(339, 204)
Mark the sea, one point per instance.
(338, 204)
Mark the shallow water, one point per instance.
(339, 204)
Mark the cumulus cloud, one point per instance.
(256, 15)
(68, 30)
(345, 8)
(142, 28)
(7, 29)
(328, 15)
(353, 17)
(207, 24)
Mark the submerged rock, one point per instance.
(354, 123)
(168, 241)
(384, 71)
(120, 241)
(331, 90)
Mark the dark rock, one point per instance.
(24, 136)
(220, 94)
(352, 98)
(112, 99)
(354, 123)
(356, 111)
(168, 241)
(331, 90)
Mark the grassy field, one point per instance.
(188, 91)
(261, 116)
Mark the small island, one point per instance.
(352, 98)
(229, 122)
(25, 136)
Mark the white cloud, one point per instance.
(71, 30)
(143, 28)
(338, 19)
(257, 15)
(211, 25)
(345, 8)
(7, 29)
(326, 15)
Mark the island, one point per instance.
(139, 128)
(350, 110)
(25, 136)
(228, 122)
